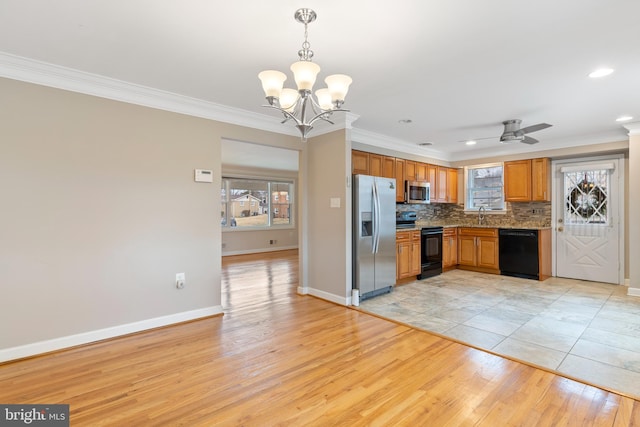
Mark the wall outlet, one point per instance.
(180, 280)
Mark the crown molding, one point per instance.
(633, 128)
(45, 74)
(395, 144)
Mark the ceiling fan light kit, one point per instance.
(300, 106)
(513, 132)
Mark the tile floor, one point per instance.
(585, 330)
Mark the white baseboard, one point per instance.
(634, 292)
(260, 250)
(329, 297)
(36, 348)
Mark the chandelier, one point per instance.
(299, 105)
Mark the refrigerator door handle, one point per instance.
(376, 218)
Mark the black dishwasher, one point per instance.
(518, 252)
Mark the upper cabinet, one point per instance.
(359, 162)
(443, 180)
(527, 180)
(410, 170)
(400, 164)
(446, 185)
(541, 180)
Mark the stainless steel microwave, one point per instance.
(417, 192)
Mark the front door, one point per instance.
(587, 221)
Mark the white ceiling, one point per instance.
(456, 68)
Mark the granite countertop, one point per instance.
(522, 226)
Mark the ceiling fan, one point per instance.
(513, 132)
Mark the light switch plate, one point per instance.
(334, 202)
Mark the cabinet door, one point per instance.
(399, 180)
(541, 180)
(452, 185)
(375, 164)
(416, 260)
(403, 260)
(467, 250)
(421, 171)
(410, 170)
(359, 162)
(449, 250)
(487, 252)
(446, 251)
(432, 175)
(441, 190)
(389, 167)
(517, 181)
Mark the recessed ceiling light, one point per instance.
(471, 142)
(600, 72)
(624, 118)
(405, 121)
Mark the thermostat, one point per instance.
(204, 175)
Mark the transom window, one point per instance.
(484, 187)
(255, 203)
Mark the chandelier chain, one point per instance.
(306, 53)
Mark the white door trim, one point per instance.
(559, 198)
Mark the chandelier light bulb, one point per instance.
(324, 99)
(288, 99)
(272, 82)
(338, 85)
(305, 73)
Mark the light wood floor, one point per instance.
(277, 358)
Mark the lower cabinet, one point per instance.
(449, 248)
(478, 249)
(408, 262)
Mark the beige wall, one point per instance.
(100, 211)
(634, 208)
(328, 229)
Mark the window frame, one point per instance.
(468, 208)
(267, 200)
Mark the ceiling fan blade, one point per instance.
(479, 139)
(529, 140)
(534, 128)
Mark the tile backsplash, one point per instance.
(521, 214)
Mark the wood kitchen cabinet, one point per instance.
(527, 180)
(421, 171)
(452, 185)
(478, 249)
(375, 164)
(410, 170)
(449, 248)
(400, 164)
(388, 167)
(541, 180)
(408, 262)
(359, 162)
(432, 175)
(446, 188)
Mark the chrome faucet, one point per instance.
(481, 212)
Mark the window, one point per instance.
(268, 203)
(484, 187)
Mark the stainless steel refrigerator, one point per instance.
(374, 235)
